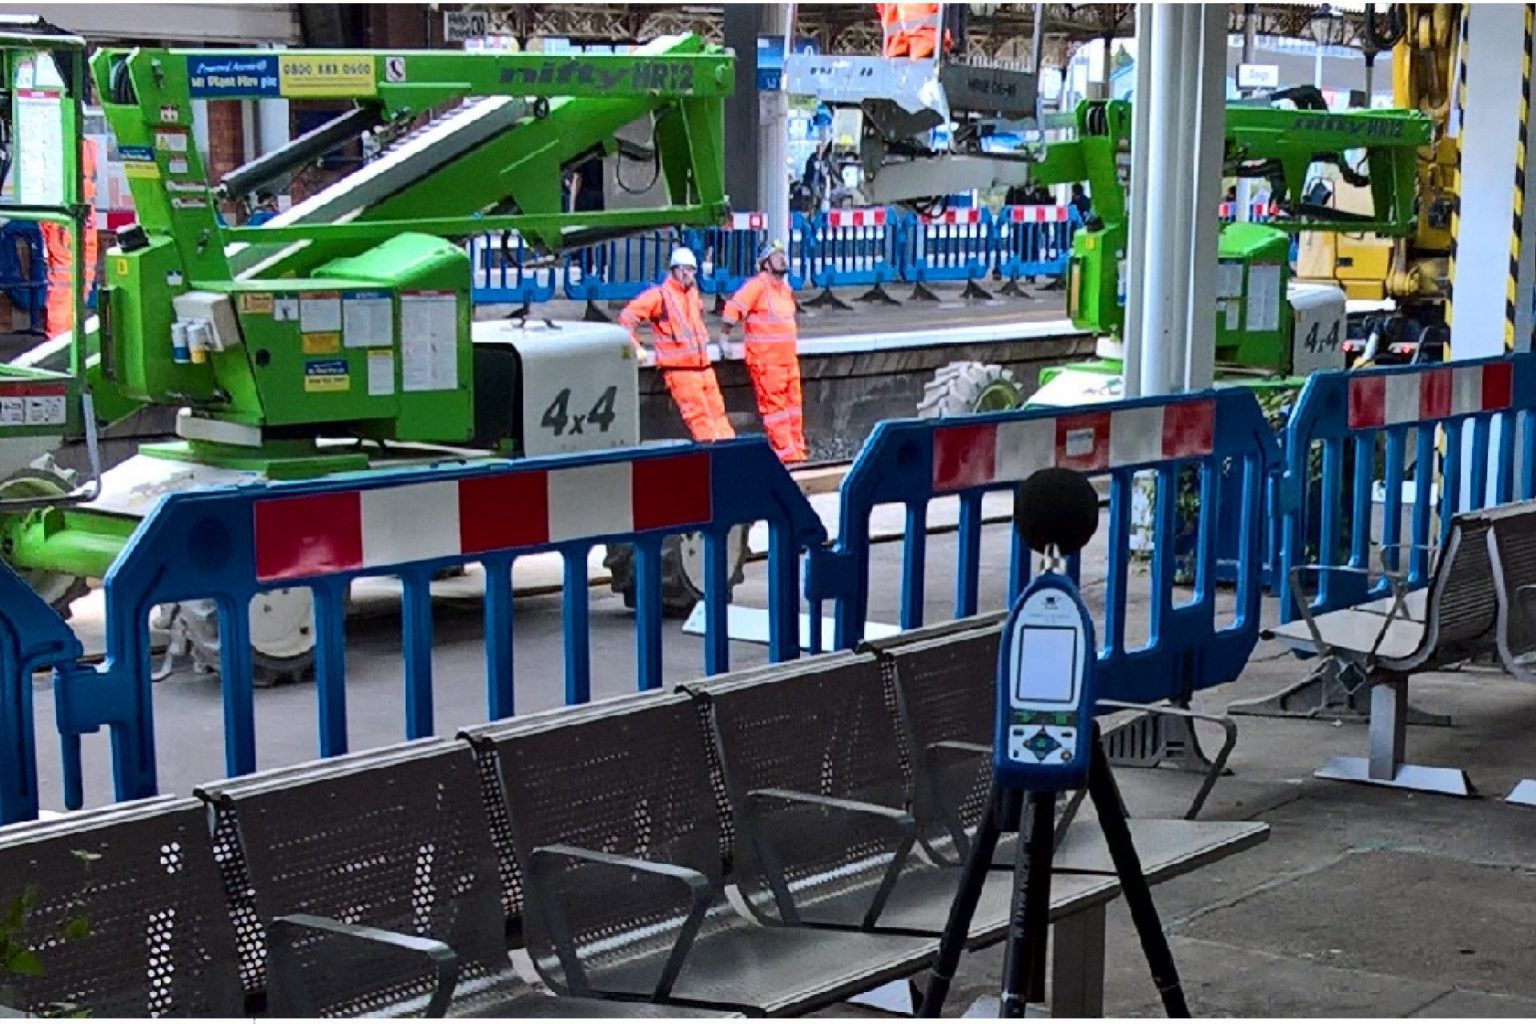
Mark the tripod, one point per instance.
(1024, 961)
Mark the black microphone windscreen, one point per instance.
(1056, 508)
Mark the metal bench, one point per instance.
(122, 913)
(813, 765)
(616, 827)
(1381, 643)
(367, 885)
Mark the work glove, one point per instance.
(644, 356)
(735, 350)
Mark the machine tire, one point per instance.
(277, 659)
(961, 389)
(45, 479)
(682, 572)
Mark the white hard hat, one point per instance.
(683, 256)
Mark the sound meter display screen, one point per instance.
(1044, 663)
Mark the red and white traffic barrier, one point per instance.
(968, 215)
(756, 220)
(1388, 400)
(1038, 214)
(866, 217)
(349, 531)
(1090, 442)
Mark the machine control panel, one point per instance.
(1044, 692)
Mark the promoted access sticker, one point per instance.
(256, 302)
(326, 375)
(322, 344)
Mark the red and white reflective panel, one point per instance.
(869, 217)
(754, 221)
(969, 215)
(1037, 214)
(1090, 442)
(349, 531)
(1391, 399)
(1256, 210)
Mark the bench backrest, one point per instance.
(827, 730)
(1512, 537)
(945, 691)
(1463, 606)
(123, 913)
(632, 781)
(394, 838)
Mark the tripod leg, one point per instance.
(1133, 884)
(958, 927)
(1029, 927)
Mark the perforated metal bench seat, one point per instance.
(1167, 848)
(1357, 629)
(395, 840)
(127, 915)
(616, 828)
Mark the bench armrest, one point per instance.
(700, 891)
(1397, 581)
(287, 979)
(902, 822)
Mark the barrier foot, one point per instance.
(879, 295)
(593, 315)
(972, 290)
(521, 312)
(1013, 288)
(826, 298)
(922, 293)
(1053, 285)
(1523, 794)
(1334, 689)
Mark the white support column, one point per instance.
(773, 144)
(1160, 295)
(1136, 247)
(1206, 157)
(1495, 262)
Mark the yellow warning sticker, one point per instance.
(140, 169)
(322, 344)
(329, 76)
(256, 302)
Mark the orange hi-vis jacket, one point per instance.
(911, 30)
(57, 254)
(676, 316)
(765, 306)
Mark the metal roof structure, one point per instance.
(1003, 32)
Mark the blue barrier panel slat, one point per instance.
(648, 613)
(1117, 581)
(717, 641)
(331, 668)
(1019, 568)
(33, 637)
(500, 624)
(914, 566)
(909, 461)
(229, 544)
(1440, 407)
(416, 625)
(968, 561)
(238, 688)
(1527, 479)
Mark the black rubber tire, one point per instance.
(961, 389)
(679, 590)
(199, 623)
(60, 590)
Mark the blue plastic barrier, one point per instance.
(229, 544)
(1392, 414)
(1034, 241)
(504, 269)
(623, 267)
(914, 462)
(32, 638)
(1259, 213)
(955, 245)
(856, 247)
(728, 255)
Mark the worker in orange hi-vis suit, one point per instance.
(765, 305)
(56, 246)
(681, 341)
(911, 30)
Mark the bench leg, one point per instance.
(1335, 688)
(1077, 964)
(1388, 741)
